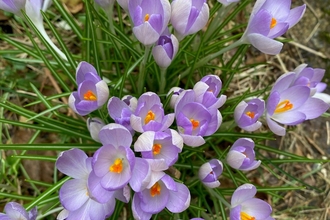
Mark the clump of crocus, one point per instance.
(165, 49)
(291, 104)
(150, 18)
(209, 173)
(92, 92)
(270, 19)
(189, 16)
(246, 114)
(244, 206)
(15, 211)
(149, 114)
(241, 155)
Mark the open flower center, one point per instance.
(156, 149)
(245, 216)
(90, 96)
(250, 114)
(283, 106)
(273, 23)
(117, 166)
(150, 116)
(155, 190)
(194, 123)
(146, 17)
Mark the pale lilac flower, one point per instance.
(209, 173)
(92, 91)
(241, 155)
(94, 126)
(246, 114)
(165, 49)
(74, 193)
(15, 211)
(270, 19)
(189, 16)
(164, 193)
(245, 206)
(176, 92)
(13, 6)
(149, 114)
(150, 18)
(114, 161)
(160, 145)
(291, 105)
(227, 2)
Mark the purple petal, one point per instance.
(243, 193)
(274, 127)
(15, 211)
(116, 135)
(179, 200)
(83, 68)
(265, 44)
(314, 108)
(141, 175)
(295, 15)
(73, 194)
(138, 213)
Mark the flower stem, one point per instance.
(162, 80)
(142, 72)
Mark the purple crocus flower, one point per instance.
(189, 16)
(120, 111)
(163, 193)
(74, 194)
(245, 206)
(209, 173)
(270, 19)
(246, 114)
(94, 126)
(149, 114)
(291, 105)
(227, 2)
(165, 49)
(150, 18)
(114, 161)
(15, 211)
(92, 91)
(241, 155)
(13, 6)
(160, 145)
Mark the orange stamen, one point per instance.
(194, 123)
(273, 23)
(245, 216)
(146, 17)
(117, 166)
(90, 96)
(250, 114)
(150, 116)
(283, 106)
(156, 149)
(155, 189)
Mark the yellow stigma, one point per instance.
(150, 116)
(117, 166)
(245, 216)
(155, 190)
(90, 96)
(146, 17)
(250, 114)
(273, 23)
(283, 106)
(194, 123)
(156, 149)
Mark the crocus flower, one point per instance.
(150, 18)
(189, 16)
(94, 126)
(74, 193)
(163, 193)
(245, 206)
(209, 173)
(291, 105)
(13, 6)
(15, 211)
(149, 114)
(165, 49)
(246, 114)
(92, 91)
(241, 155)
(176, 92)
(120, 111)
(270, 19)
(227, 2)
(160, 145)
(114, 161)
